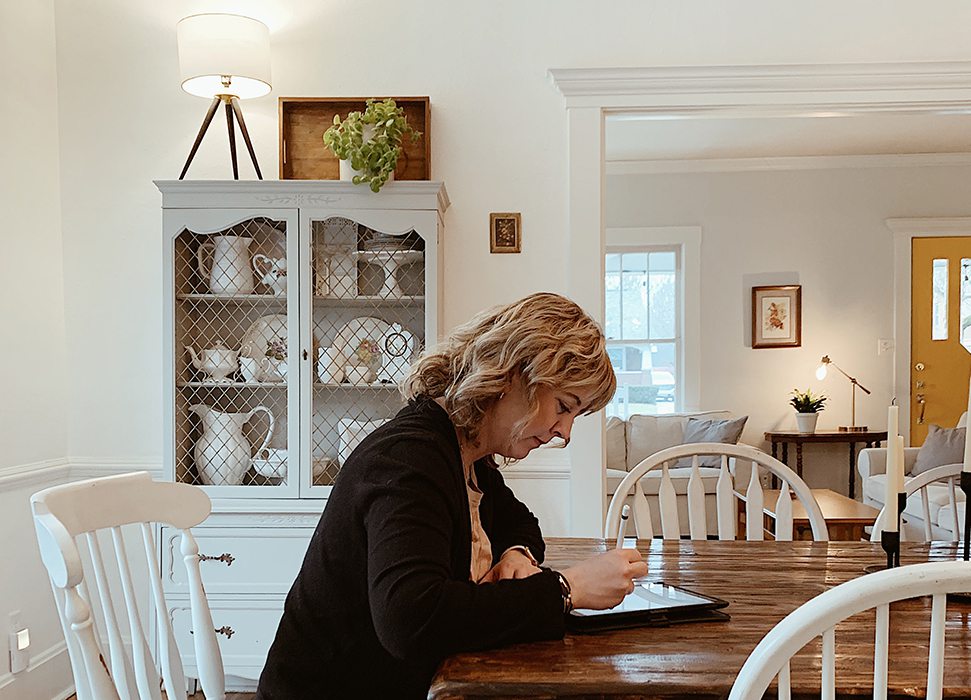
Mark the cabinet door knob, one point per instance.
(305, 354)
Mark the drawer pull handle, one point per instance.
(224, 557)
(227, 630)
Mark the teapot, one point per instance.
(272, 272)
(223, 455)
(218, 361)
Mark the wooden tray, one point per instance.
(303, 121)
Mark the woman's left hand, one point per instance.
(513, 564)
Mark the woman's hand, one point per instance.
(513, 564)
(602, 581)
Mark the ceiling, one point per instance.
(642, 136)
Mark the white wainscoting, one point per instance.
(542, 482)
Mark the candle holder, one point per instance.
(965, 597)
(890, 541)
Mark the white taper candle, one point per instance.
(967, 436)
(890, 492)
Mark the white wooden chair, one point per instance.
(72, 514)
(819, 617)
(724, 496)
(951, 473)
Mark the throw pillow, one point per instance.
(942, 446)
(697, 430)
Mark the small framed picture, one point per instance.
(505, 233)
(777, 316)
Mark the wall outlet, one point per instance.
(884, 345)
(19, 640)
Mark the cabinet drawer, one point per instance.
(249, 628)
(243, 560)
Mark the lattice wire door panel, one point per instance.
(232, 354)
(368, 325)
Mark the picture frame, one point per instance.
(777, 316)
(505, 232)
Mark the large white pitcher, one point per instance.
(228, 270)
(223, 454)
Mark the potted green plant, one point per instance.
(807, 405)
(368, 143)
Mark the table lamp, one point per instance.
(225, 58)
(821, 374)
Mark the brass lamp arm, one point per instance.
(852, 379)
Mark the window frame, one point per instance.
(685, 241)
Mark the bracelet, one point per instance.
(525, 552)
(565, 591)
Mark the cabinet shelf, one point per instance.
(369, 301)
(234, 298)
(232, 385)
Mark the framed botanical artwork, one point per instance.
(505, 233)
(777, 316)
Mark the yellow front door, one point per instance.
(940, 332)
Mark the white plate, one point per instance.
(397, 344)
(257, 337)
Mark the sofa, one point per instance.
(632, 440)
(872, 465)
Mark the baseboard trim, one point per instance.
(36, 663)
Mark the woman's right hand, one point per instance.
(602, 581)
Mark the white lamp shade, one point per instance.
(212, 46)
(821, 372)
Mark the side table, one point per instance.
(870, 438)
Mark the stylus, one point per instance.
(624, 514)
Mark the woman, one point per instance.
(422, 550)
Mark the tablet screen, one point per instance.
(652, 597)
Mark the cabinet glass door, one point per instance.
(235, 361)
(365, 297)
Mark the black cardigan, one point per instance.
(384, 595)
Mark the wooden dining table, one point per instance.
(763, 582)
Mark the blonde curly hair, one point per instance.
(545, 339)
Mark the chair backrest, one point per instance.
(949, 473)
(819, 617)
(73, 514)
(725, 496)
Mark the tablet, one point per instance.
(651, 603)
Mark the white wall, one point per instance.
(33, 397)
(823, 229)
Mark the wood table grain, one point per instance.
(763, 581)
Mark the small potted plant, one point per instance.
(368, 143)
(807, 405)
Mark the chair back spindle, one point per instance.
(631, 489)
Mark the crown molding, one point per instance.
(930, 226)
(843, 83)
(778, 163)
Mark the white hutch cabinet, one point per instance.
(292, 309)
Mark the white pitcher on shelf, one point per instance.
(223, 454)
(228, 269)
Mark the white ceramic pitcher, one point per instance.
(223, 454)
(227, 268)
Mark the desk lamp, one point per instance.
(225, 58)
(821, 374)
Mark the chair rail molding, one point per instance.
(685, 92)
(904, 231)
(44, 471)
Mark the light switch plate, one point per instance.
(884, 345)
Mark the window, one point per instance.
(643, 327)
